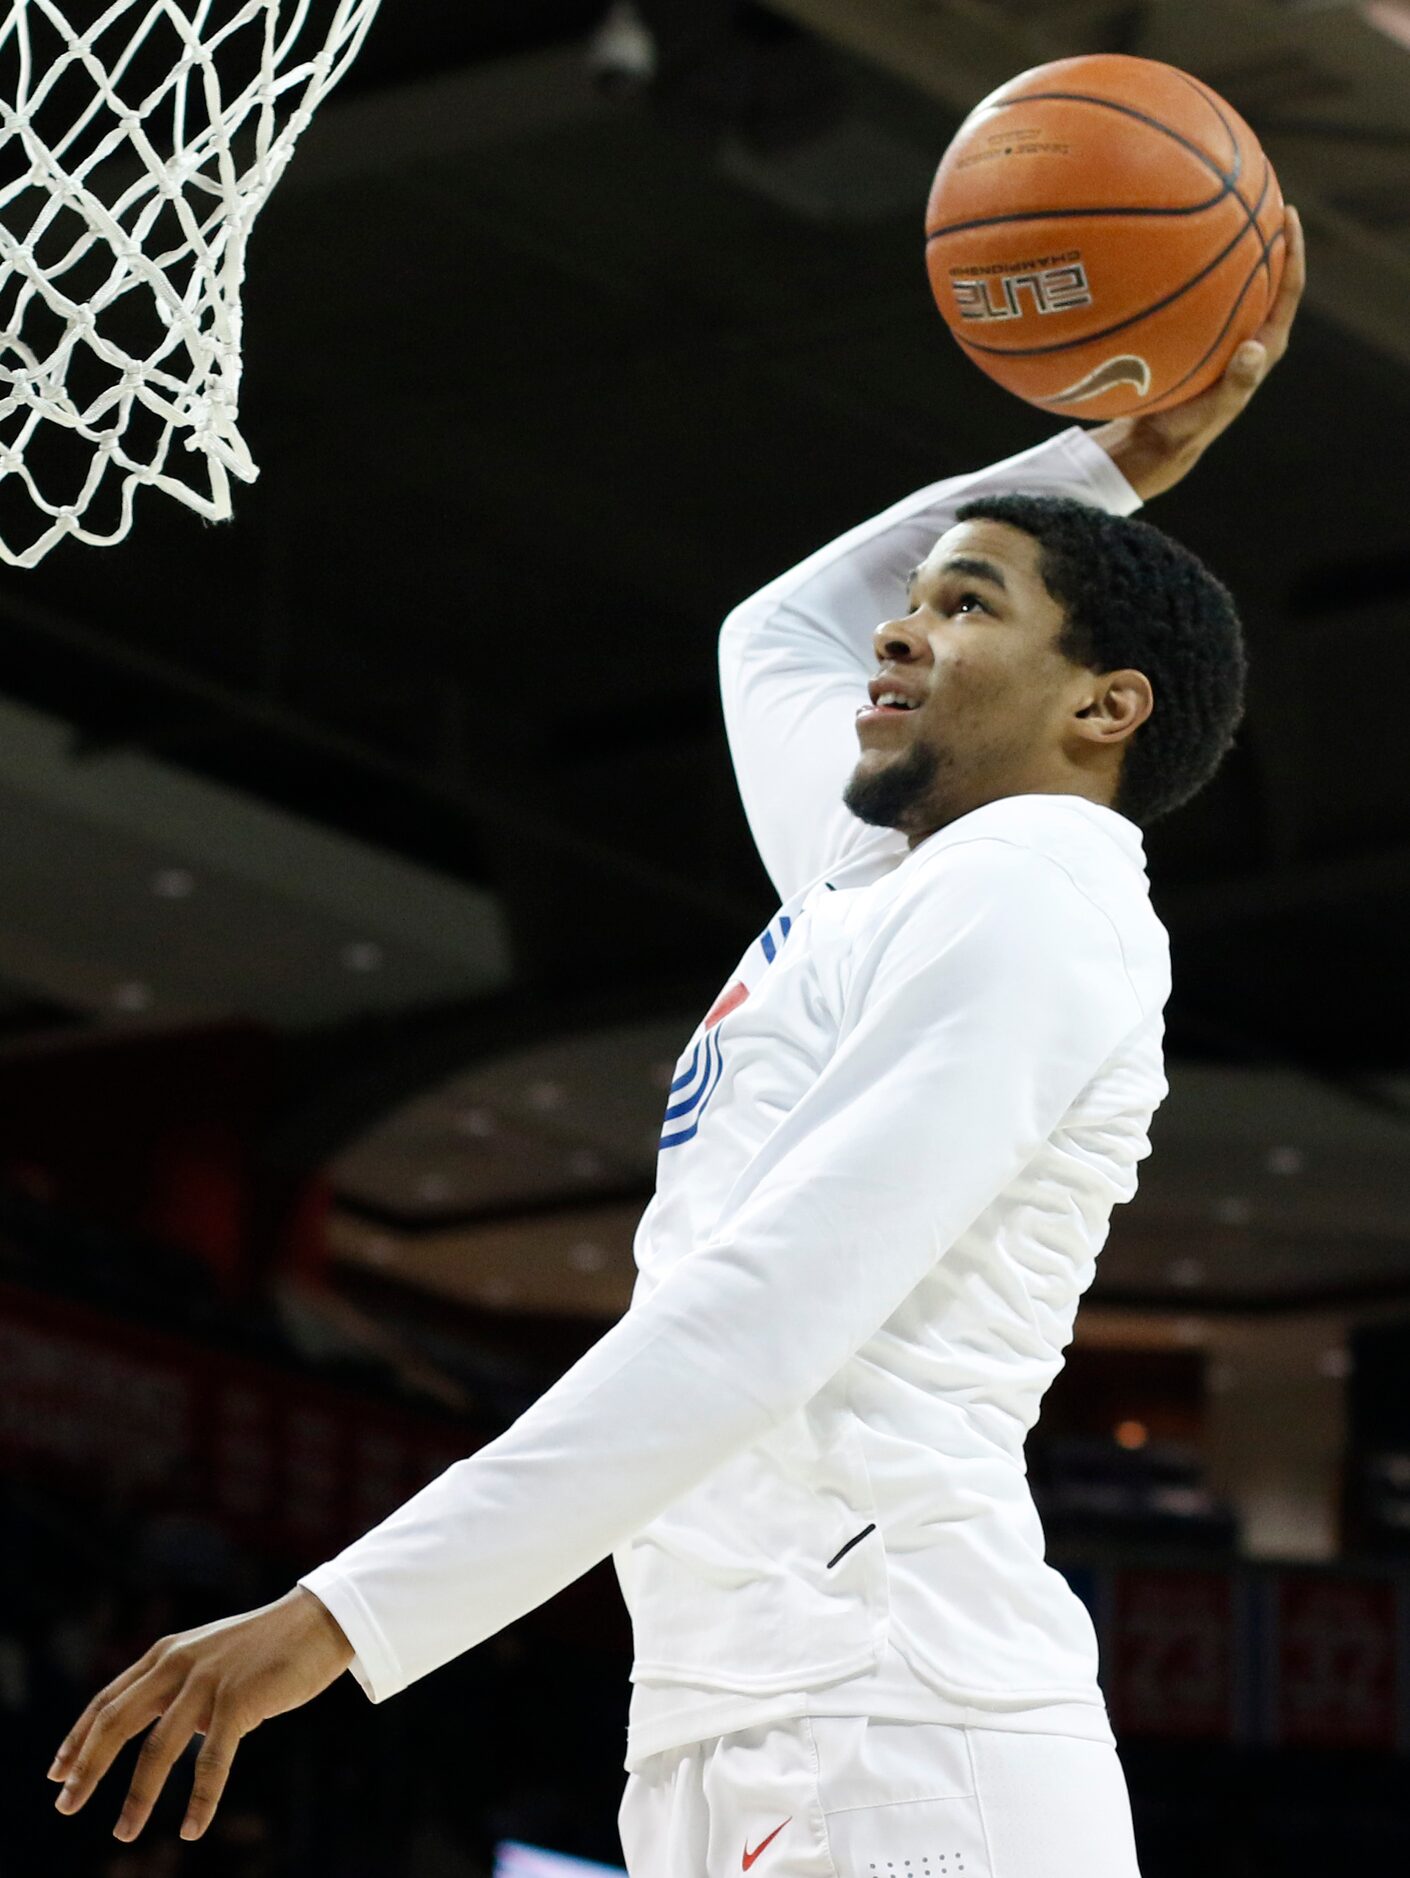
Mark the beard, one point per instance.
(893, 795)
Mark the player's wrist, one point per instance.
(310, 1618)
(1148, 462)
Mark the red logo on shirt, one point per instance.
(749, 1857)
(726, 1002)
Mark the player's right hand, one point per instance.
(220, 1681)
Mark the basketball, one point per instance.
(1102, 235)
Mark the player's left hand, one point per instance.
(221, 1681)
(1154, 452)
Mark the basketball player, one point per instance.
(888, 1163)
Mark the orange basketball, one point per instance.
(1102, 234)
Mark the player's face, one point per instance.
(974, 645)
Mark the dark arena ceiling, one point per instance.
(542, 375)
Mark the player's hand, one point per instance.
(1154, 452)
(219, 1681)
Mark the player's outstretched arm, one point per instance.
(794, 658)
(220, 1681)
(1154, 453)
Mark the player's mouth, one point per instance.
(887, 701)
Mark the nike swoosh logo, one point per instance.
(749, 1857)
(1129, 369)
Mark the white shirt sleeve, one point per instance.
(975, 1017)
(796, 657)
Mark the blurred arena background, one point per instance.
(364, 861)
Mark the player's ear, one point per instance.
(1126, 702)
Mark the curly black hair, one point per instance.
(1133, 597)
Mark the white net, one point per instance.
(136, 149)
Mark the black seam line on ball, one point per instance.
(1216, 105)
(1265, 250)
(1132, 319)
(1213, 101)
(850, 1543)
(1141, 117)
(1062, 214)
(1262, 261)
(1229, 179)
(1058, 404)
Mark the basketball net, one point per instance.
(135, 153)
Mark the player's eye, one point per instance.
(961, 600)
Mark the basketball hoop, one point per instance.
(135, 154)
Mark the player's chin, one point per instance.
(889, 745)
(870, 761)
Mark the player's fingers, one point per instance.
(1275, 330)
(160, 1752)
(1244, 372)
(212, 1772)
(1254, 359)
(73, 1741)
(1241, 378)
(112, 1727)
(1199, 420)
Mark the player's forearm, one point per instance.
(701, 1369)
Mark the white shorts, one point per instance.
(844, 1796)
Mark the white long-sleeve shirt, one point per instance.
(887, 1165)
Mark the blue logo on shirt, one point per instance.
(695, 1084)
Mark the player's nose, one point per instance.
(898, 641)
